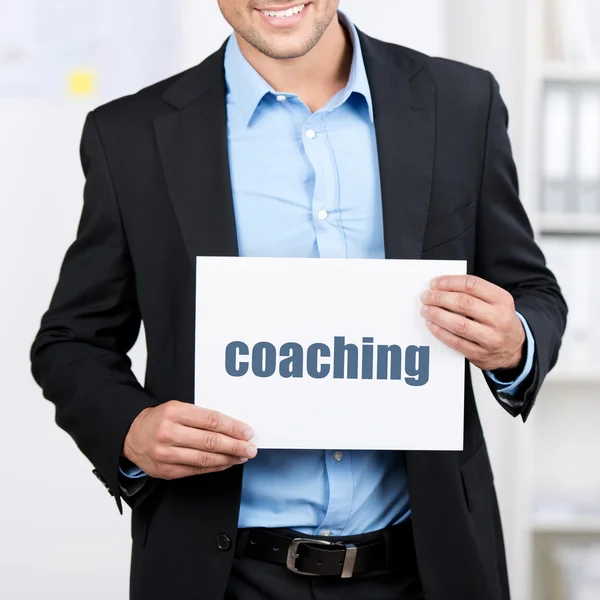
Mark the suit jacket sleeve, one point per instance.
(79, 356)
(507, 255)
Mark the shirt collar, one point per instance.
(247, 88)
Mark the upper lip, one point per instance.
(286, 7)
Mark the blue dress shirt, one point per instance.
(307, 185)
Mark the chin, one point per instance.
(284, 47)
(285, 51)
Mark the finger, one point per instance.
(180, 471)
(213, 420)
(471, 285)
(457, 324)
(468, 349)
(198, 459)
(211, 441)
(461, 303)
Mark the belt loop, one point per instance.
(387, 536)
(241, 542)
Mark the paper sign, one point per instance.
(327, 353)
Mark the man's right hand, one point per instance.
(178, 439)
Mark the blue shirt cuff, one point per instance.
(511, 387)
(128, 469)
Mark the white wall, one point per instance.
(61, 535)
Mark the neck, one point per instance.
(314, 77)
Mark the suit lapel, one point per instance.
(404, 109)
(192, 142)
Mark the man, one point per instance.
(300, 137)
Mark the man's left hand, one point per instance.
(476, 318)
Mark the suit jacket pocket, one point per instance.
(450, 227)
(477, 476)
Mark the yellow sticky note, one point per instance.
(82, 83)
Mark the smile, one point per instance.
(284, 14)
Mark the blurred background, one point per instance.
(59, 530)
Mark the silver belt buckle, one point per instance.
(349, 558)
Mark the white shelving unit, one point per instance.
(553, 71)
(560, 525)
(573, 379)
(553, 457)
(570, 223)
(560, 445)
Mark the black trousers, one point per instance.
(252, 579)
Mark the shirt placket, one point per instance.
(325, 202)
(338, 466)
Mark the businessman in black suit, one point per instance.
(165, 183)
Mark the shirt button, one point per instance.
(322, 214)
(337, 456)
(310, 134)
(223, 542)
(326, 533)
(281, 98)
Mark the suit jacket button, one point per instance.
(223, 542)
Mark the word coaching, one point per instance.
(319, 361)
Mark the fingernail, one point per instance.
(423, 310)
(242, 460)
(249, 433)
(424, 295)
(251, 451)
(433, 282)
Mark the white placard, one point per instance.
(327, 353)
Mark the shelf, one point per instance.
(573, 378)
(571, 72)
(586, 525)
(569, 223)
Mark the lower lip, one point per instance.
(285, 22)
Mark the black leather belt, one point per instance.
(390, 549)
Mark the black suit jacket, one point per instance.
(158, 194)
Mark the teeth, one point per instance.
(282, 14)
